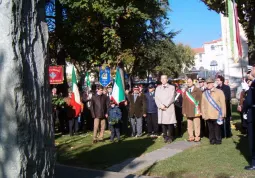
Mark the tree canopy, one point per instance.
(105, 32)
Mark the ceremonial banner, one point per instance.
(56, 74)
(105, 76)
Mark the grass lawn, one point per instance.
(79, 150)
(205, 161)
(208, 161)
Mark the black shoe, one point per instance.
(249, 168)
(169, 141)
(212, 143)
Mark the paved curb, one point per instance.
(134, 165)
(62, 171)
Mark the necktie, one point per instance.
(135, 96)
(190, 90)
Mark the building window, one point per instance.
(200, 57)
(213, 63)
(212, 47)
(221, 48)
(201, 69)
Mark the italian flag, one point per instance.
(235, 39)
(118, 94)
(76, 99)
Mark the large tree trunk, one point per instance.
(26, 133)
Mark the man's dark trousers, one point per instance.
(214, 131)
(152, 123)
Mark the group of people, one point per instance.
(161, 110)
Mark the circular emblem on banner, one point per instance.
(52, 75)
(104, 76)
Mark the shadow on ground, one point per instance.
(105, 155)
(243, 147)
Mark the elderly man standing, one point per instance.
(137, 110)
(213, 109)
(191, 109)
(203, 124)
(164, 97)
(226, 131)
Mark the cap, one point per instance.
(135, 87)
(112, 102)
(200, 80)
(109, 86)
(209, 80)
(249, 68)
(151, 86)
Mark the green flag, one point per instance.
(87, 79)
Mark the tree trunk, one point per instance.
(26, 132)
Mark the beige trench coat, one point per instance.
(165, 96)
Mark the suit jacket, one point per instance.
(249, 103)
(227, 92)
(99, 106)
(136, 108)
(188, 108)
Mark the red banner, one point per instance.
(56, 75)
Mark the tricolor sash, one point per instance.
(213, 103)
(193, 101)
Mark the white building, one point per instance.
(209, 59)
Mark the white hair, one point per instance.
(163, 76)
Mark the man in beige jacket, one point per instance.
(213, 109)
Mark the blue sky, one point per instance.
(198, 24)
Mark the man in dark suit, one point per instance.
(99, 107)
(137, 110)
(227, 92)
(152, 111)
(249, 116)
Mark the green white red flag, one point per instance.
(75, 99)
(118, 93)
(234, 31)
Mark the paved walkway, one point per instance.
(128, 168)
(62, 171)
(134, 165)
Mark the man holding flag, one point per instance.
(191, 109)
(75, 102)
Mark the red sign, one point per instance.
(56, 75)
